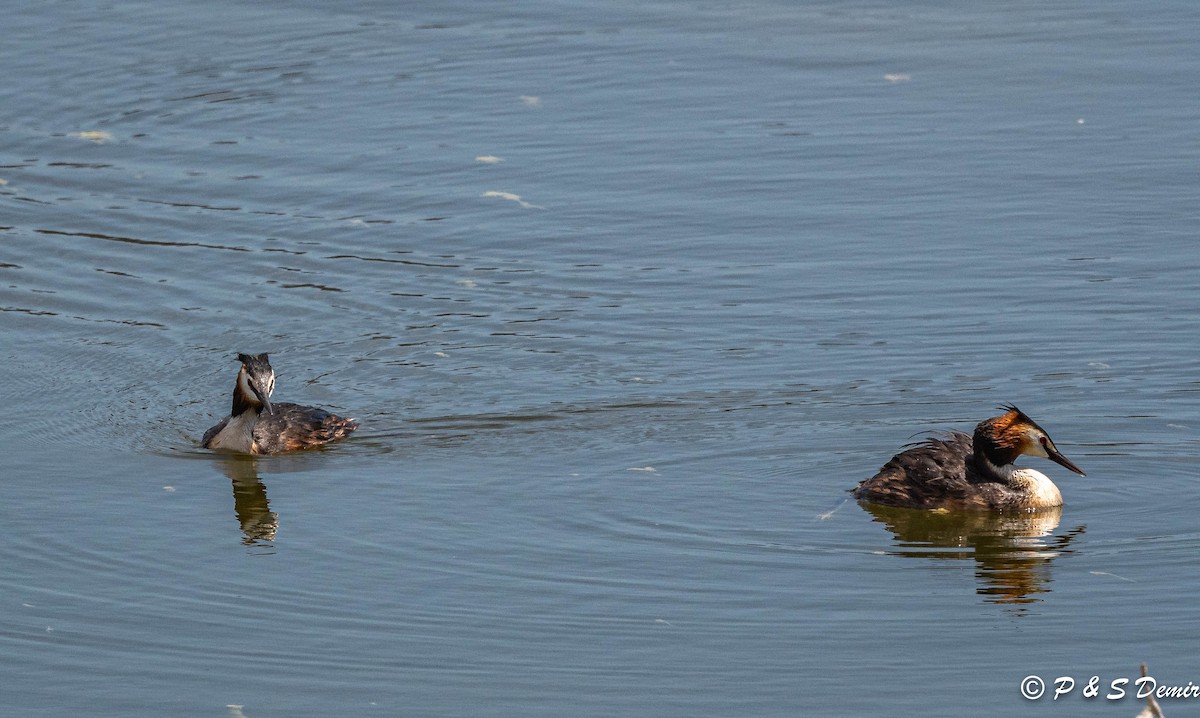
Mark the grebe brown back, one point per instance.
(963, 472)
(284, 427)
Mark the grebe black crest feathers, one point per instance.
(256, 425)
(964, 471)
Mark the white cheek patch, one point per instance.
(1034, 444)
(244, 383)
(247, 391)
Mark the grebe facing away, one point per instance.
(283, 427)
(971, 472)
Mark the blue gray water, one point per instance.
(626, 296)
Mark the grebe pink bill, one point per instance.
(255, 425)
(963, 472)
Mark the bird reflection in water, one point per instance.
(1013, 553)
(259, 523)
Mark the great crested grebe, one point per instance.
(283, 427)
(964, 472)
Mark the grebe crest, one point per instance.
(961, 471)
(255, 425)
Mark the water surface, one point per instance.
(625, 298)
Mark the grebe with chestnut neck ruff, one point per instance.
(965, 472)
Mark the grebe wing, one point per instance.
(292, 426)
(927, 474)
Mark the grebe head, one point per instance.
(256, 379)
(1003, 438)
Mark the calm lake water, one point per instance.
(626, 296)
